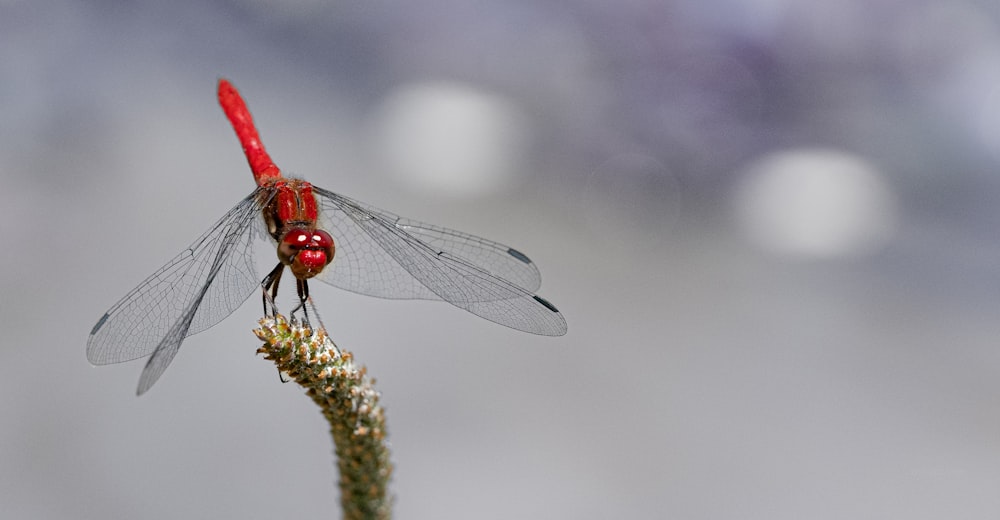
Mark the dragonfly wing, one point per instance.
(193, 291)
(381, 254)
(163, 354)
(362, 265)
(495, 258)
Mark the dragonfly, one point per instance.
(318, 234)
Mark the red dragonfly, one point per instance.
(375, 253)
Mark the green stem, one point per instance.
(347, 397)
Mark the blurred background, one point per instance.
(771, 226)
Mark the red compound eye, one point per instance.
(321, 239)
(297, 238)
(290, 245)
(306, 253)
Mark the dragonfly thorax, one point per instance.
(291, 205)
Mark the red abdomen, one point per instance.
(263, 168)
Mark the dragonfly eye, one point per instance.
(321, 239)
(306, 253)
(291, 244)
(297, 238)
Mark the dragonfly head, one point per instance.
(306, 252)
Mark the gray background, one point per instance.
(771, 225)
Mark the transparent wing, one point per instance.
(193, 291)
(382, 254)
(499, 260)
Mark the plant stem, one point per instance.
(347, 397)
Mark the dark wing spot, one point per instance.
(546, 303)
(519, 255)
(100, 323)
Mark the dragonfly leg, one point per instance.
(270, 284)
(302, 288)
